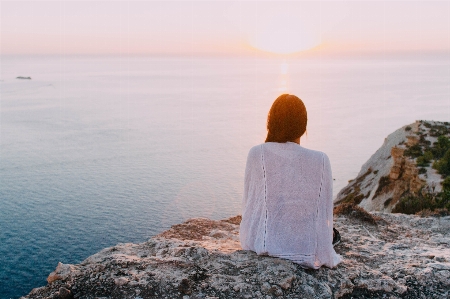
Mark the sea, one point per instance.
(100, 150)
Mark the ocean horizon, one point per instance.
(100, 150)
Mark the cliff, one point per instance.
(385, 256)
(401, 168)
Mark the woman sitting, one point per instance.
(287, 208)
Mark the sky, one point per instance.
(223, 27)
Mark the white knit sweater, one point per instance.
(287, 208)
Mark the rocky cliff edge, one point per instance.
(402, 168)
(385, 256)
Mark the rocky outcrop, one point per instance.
(393, 172)
(385, 256)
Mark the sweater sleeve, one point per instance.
(249, 176)
(251, 231)
(325, 254)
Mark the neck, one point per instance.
(297, 140)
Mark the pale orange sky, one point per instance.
(220, 27)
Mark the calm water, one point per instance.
(100, 150)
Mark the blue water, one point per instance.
(100, 150)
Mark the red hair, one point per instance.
(286, 120)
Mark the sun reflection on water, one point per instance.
(284, 77)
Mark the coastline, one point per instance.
(401, 256)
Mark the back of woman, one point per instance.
(287, 202)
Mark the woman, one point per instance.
(287, 203)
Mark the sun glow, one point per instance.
(284, 77)
(285, 35)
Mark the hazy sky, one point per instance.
(237, 27)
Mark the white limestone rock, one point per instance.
(397, 256)
(389, 174)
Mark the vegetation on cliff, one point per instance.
(427, 201)
(408, 174)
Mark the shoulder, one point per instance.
(316, 160)
(316, 155)
(311, 155)
(254, 156)
(255, 151)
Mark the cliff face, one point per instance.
(393, 171)
(385, 256)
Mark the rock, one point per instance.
(276, 290)
(393, 172)
(440, 259)
(121, 281)
(380, 261)
(64, 293)
(265, 287)
(185, 286)
(286, 283)
(62, 272)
